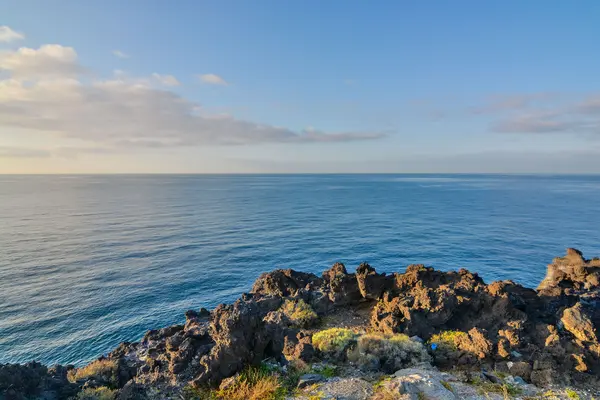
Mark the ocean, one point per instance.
(89, 261)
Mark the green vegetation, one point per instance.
(300, 313)
(572, 394)
(101, 393)
(334, 340)
(390, 352)
(448, 339)
(251, 384)
(104, 369)
(447, 386)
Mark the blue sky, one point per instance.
(299, 86)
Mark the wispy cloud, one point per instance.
(7, 35)
(18, 152)
(47, 92)
(213, 79)
(167, 80)
(543, 113)
(120, 54)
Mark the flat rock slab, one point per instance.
(341, 389)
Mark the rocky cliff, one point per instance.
(544, 337)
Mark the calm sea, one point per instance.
(89, 261)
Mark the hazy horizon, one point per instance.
(298, 87)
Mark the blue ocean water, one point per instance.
(89, 261)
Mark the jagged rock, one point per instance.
(577, 321)
(284, 282)
(547, 336)
(371, 284)
(571, 272)
(343, 287)
(33, 380)
(132, 391)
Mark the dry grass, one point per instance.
(300, 313)
(383, 393)
(101, 393)
(105, 369)
(387, 352)
(253, 384)
(334, 340)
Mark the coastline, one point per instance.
(434, 322)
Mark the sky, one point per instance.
(310, 86)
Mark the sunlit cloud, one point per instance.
(213, 79)
(7, 35)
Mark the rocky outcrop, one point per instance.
(544, 336)
(33, 380)
(571, 274)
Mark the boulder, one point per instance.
(577, 321)
(371, 284)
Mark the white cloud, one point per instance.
(213, 79)
(49, 61)
(43, 94)
(120, 54)
(8, 35)
(167, 80)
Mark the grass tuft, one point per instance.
(300, 313)
(104, 369)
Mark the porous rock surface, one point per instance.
(545, 336)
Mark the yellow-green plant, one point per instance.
(299, 312)
(333, 340)
(106, 369)
(448, 339)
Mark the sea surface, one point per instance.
(89, 261)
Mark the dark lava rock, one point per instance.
(33, 380)
(371, 284)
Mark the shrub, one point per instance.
(334, 340)
(253, 384)
(105, 370)
(299, 312)
(387, 352)
(572, 394)
(101, 393)
(448, 339)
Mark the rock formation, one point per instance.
(544, 336)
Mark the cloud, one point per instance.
(120, 54)
(7, 35)
(49, 61)
(521, 101)
(43, 94)
(213, 79)
(18, 152)
(590, 105)
(535, 123)
(167, 80)
(543, 113)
